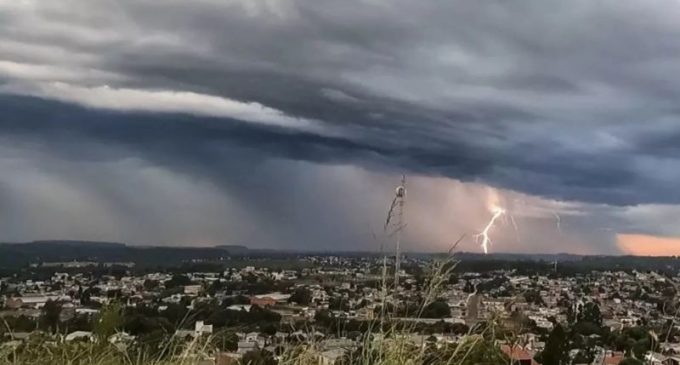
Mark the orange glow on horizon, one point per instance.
(647, 245)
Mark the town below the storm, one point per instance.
(258, 307)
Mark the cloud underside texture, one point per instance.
(566, 101)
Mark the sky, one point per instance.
(288, 123)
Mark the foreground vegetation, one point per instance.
(395, 349)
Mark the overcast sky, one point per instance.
(288, 123)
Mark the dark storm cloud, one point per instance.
(201, 145)
(566, 100)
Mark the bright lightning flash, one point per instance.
(483, 237)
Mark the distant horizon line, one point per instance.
(311, 251)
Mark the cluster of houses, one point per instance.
(349, 289)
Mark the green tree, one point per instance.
(641, 347)
(21, 323)
(533, 296)
(584, 357)
(50, 314)
(175, 313)
(587, 328)
(324, 317)
(301, 296)
(177, 281)
(109, 321)
(215, 287)
(154, 344)
(591, 313)
(225, 341)
(269, 329)
(150, 285)
(556, 350)
(258, 357)
(437, 309)
(571, 314)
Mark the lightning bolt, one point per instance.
(483, 237)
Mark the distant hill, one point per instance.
(13, 255)
(16, 255)
(234, 249)
(21, 254)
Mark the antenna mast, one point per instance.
(400, 196)
(397, 211)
